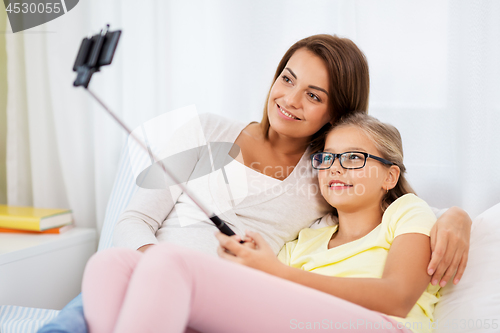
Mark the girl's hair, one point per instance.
(388, 142)
(349, 82)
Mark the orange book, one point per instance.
(58, 230)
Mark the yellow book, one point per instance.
(35, 219)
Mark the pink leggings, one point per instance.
(170, 288)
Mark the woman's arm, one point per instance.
(450, 239)
(403, 281)
(137, 225)
(144, 216)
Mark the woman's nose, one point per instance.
(293, 98)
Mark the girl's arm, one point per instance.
(450, 238)
(403, 281)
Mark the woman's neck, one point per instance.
(356, 224)
(285, 145)
(275, 156)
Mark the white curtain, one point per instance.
(434, 69)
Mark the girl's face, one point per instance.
(350, 190)
(298, 102)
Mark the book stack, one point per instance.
(35, 220)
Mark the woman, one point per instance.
(373, 261)
(318, 80)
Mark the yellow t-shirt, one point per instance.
(365, 257)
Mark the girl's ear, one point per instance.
(392, 177)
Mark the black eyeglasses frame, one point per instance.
(380, 159)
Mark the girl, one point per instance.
(365, 273)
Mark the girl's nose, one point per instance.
(336, 167)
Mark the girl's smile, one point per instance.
(338, 185)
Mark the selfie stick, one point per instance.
(97, 51)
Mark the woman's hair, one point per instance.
(349, 82)
(388, 142)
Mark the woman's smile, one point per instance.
(286, 114)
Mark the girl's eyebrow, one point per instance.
(330, 150)
(312, 87)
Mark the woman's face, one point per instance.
(298, 102)
(354, 189)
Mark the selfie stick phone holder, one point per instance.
(97, 51)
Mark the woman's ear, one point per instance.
(392, 177)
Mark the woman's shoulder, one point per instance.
(219, 128)
(212, 120)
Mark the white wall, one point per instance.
(433, 64)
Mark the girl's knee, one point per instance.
(174, 255)
(113, 257)
(168, 250)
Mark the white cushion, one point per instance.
(474, 304)
(18, 319)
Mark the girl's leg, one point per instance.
(104, 286)
(174, 287)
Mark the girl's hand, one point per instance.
(255, 252)
(450, 238)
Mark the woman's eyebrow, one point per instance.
(312, 87)
(291, 72)
(320, 89)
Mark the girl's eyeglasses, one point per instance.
(348, 160)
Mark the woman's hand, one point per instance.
(450, 238)
(144, 248)
(255, 252)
